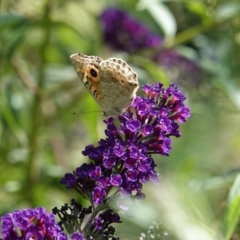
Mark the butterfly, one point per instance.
(112, 83)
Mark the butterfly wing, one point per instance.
(87, 69)
(112, 83)
(118, 85)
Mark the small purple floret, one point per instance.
(98, 195)
(116, 180)
(77, 236)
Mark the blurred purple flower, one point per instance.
(124, 33)
(179, 68)
(123, 160)
(31, 224)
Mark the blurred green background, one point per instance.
(41, 139)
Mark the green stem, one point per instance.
(194, 31)
(32, 169)
(189, 34)
(93, 215)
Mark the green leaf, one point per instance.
(12, 39)
(10, 20)
(233, 209)
(226, 11)
(162, 15)
(198, 8)
(12, 122)
(230, 88)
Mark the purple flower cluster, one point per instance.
(123, 33)
(31, 224)
(123, 160)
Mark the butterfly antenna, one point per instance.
(75, 113)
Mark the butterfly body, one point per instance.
(112, 83)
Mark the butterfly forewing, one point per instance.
(112, 83)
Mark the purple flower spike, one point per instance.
(123, 160)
